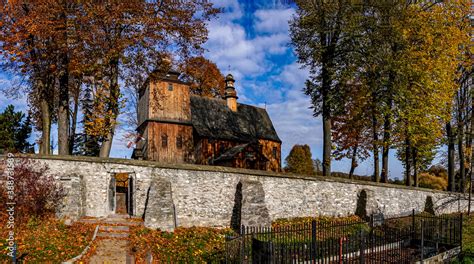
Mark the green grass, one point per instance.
(468, 241)
(468, 235)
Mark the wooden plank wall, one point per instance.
(267, 149)
(171, 153)
(169, 105)
(207, 149)
(143, 104)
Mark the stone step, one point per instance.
(122, 222)
(118, 222)
(112, 235)
(123, 216)
(118, 228)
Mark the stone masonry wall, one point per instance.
(206, 196)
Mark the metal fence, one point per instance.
(377, 240)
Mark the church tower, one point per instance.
(164, 117)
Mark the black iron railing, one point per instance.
(377, 240)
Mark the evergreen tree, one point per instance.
(15, 130)
(87, 144)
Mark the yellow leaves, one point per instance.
(48, 241)
(184, 245)
(103, 116)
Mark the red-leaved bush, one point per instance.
(36, 193)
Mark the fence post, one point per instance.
(226, 249)
(422, 240)
(242, 250)
(313, 240)
(371, 232)
(413, 226)
(460, 231)
(361, 247)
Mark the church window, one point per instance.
(164, 140)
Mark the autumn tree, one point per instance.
(29, 50)
(436, 177)
(351, 131)
(119, 30)
(429, 59)
(323, 34)
(55, 44)
(204, 77)
(300, 160)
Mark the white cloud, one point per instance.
(273, 20)
(295, 124)
(232, 9)
(294, 75)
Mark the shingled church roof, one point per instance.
(211, 118)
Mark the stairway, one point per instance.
(112, 238)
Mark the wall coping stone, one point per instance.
(210, 168)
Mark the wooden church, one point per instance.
(176, 126)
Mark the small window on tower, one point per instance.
(170, 87)
(164, 140)
(275, 150)
(179, 142)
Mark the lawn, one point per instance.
(184, 245)
(47, 240)
(468, 235)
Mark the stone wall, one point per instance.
(191, 195)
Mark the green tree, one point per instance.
(15, 130)
(299, 160)
(323, 34)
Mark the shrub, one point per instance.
(433, 181)
(35, 194)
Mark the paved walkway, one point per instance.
(110, 251)
(111, 244)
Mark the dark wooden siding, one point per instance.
(267, 150)
(171, 153)
(206, 150)
(143, 104)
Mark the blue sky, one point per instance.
(250, 39)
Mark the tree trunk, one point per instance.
(470, 185)
(113, 107)
(326, 146)
(407, 159)
(326, 122)
(375, 147)
(353, 162)
(415, 169)
(72, 132)
(449, 134)
(45, 147)
(63, 105)
(63, 112)
(386, 146)
(462, 168)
